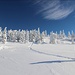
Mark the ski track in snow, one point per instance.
(55, 61)
(51, 54)
(53, 71)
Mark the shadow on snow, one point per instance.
(56, 61)
(52, 54)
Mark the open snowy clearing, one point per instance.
(40, 59)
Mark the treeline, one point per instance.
(35, 36)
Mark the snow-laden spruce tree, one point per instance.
(0, 34)
(69, 35)
(62, 35)
(27, 36)
(31, 35)
(18, 36)
(56, 35)
(22, 36)
(42, 36)
(35, 36)
(53, 38)
(72, 37)
(45, 32)
(0, 31)
(38, 36)
(14, 35)
(10, 35)
(4, 35)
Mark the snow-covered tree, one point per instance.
(69, 35)
(31, 35)
(53, 38)
(38, 36)
(27, 36)
(72, 37)
(62, 35)
(22, 36)
(0, 34)
(18, 35)
(35, 36)
(4, 35)
(45, 33)
(9, 35)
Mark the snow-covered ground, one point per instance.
(40, 59)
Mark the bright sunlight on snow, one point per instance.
(38, 59)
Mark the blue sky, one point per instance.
(50, 15)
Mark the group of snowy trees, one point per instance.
(55, 38)
(22, 36)
(35, 36)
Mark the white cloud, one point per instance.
(55, 9)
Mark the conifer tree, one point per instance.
(4, 35)
(72, 37)
(69, 35)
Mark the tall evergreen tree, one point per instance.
(4, 35)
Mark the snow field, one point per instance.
(40, 59)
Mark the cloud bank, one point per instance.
(55, 9)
